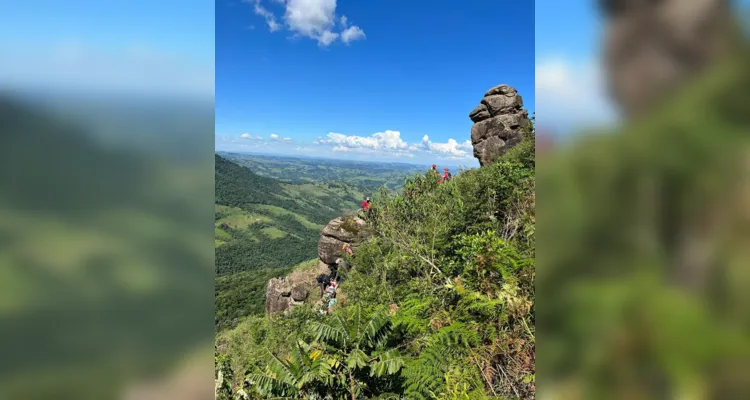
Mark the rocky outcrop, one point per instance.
(652, 47)
(349, 229)
(500, 122)
(285, 293)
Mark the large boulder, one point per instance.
(653, 47)
(348, 229)
(285, 293)
(500, 122)
(278, 293)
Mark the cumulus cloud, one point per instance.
(388, 140)
(314, 19)
(350, 33)
(276, 138)
(273, 24)
(248, 136)
(390, 143)
(571, 95)
(451, 148)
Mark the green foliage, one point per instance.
(223, 377)
(439, 303)
(242, 294)
(624, 213)
(348, 357)
(352, 178)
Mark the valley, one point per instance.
(267, 224)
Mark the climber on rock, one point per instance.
(348, 249)
(366, 204)
(323, 281)
(364, 211)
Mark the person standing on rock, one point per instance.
(365, 208)
(366, 204)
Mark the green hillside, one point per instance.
(439, 303)
(263, 227)
(364, 175)
(261, 223)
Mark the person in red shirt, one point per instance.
(446, 175)
(365, 210)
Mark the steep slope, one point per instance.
(438, 303)
(264, 227)
(263, 223)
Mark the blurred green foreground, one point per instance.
(106, 256)
(644, 254)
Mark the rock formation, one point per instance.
(499, 123)
(292, 290)
(652, 47)
(351, 230)
(285, 293)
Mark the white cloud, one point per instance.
(451, 148)
(314, 19)
(388, 140)
(350, 33)
(248, 136)
(571, 95)
(273, 25)
(276, 138)
(391, 144)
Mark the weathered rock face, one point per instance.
(499, 123)
(652, 47)
(285, 293)
(340, 230)
(278, 293)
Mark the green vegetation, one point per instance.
(646, 250)
(264, 227)
(243, 293)
(439, 303)
(343, 176)
(105, 267)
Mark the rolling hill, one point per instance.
(264, 227)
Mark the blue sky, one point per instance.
(570, 89)
(147, 47)
(371, 86)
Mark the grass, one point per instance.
(273, 232)
(280, 211)
(239, 218)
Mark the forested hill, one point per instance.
(262, 228)
(237, 186)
